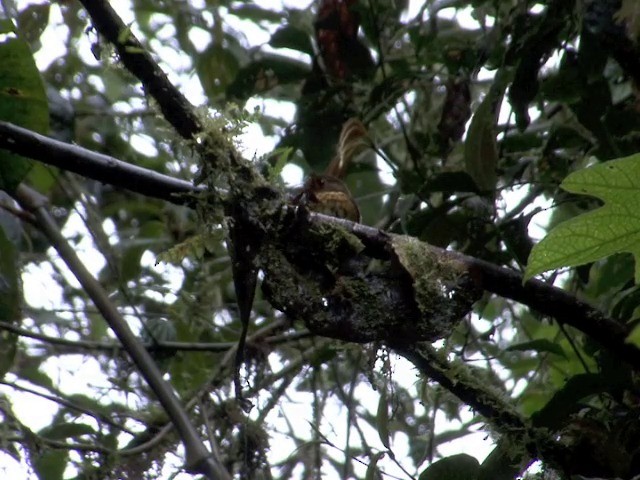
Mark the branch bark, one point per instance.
(95, 165)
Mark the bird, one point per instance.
(329, 195)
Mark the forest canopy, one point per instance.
(338, 239)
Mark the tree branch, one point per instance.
(493, 405)
(544, 298)
(507, 283)
(96, 166)
(199, 459)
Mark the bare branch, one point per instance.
(96, 166)
(199, 459)
(70, 405)
(159, 345)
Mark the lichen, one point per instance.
(289, 290)
(335, 241)
(220, 131)
(230, 178)
(193, 247)
(433, 274)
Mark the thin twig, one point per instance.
(160, 345)
(69, 404)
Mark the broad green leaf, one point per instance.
(449, 182)
(22, 101)
(634, 336)
(157, 329)
(66, 430)
(264, 74)
(610, 276)
(216, 67)
(93, 404)
(147, 237)
(569, 398)
(612, 228)
(32, 21)
(7, 26)
(626, 304)
(50, 464)
(455, 467)
(282, 156)
(42, 177)
(32, 372)
(539, 345)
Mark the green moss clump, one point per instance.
(433, 275)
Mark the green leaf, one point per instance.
(480, 147)
(50, 465)
(157, 329)
(267, 73)
(634, 336)
(7, 26)
(62, 431)
(31, 372)
(539, 345)
(612, 228)
(148, 236)
(569, 398)
(32, 21)
(382, 418)
(282, 155)
(43, 177)
(455, 467)
(292, 37)
(216, 67)
(449, 182)
(22, 101)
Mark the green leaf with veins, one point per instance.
(612, 228)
